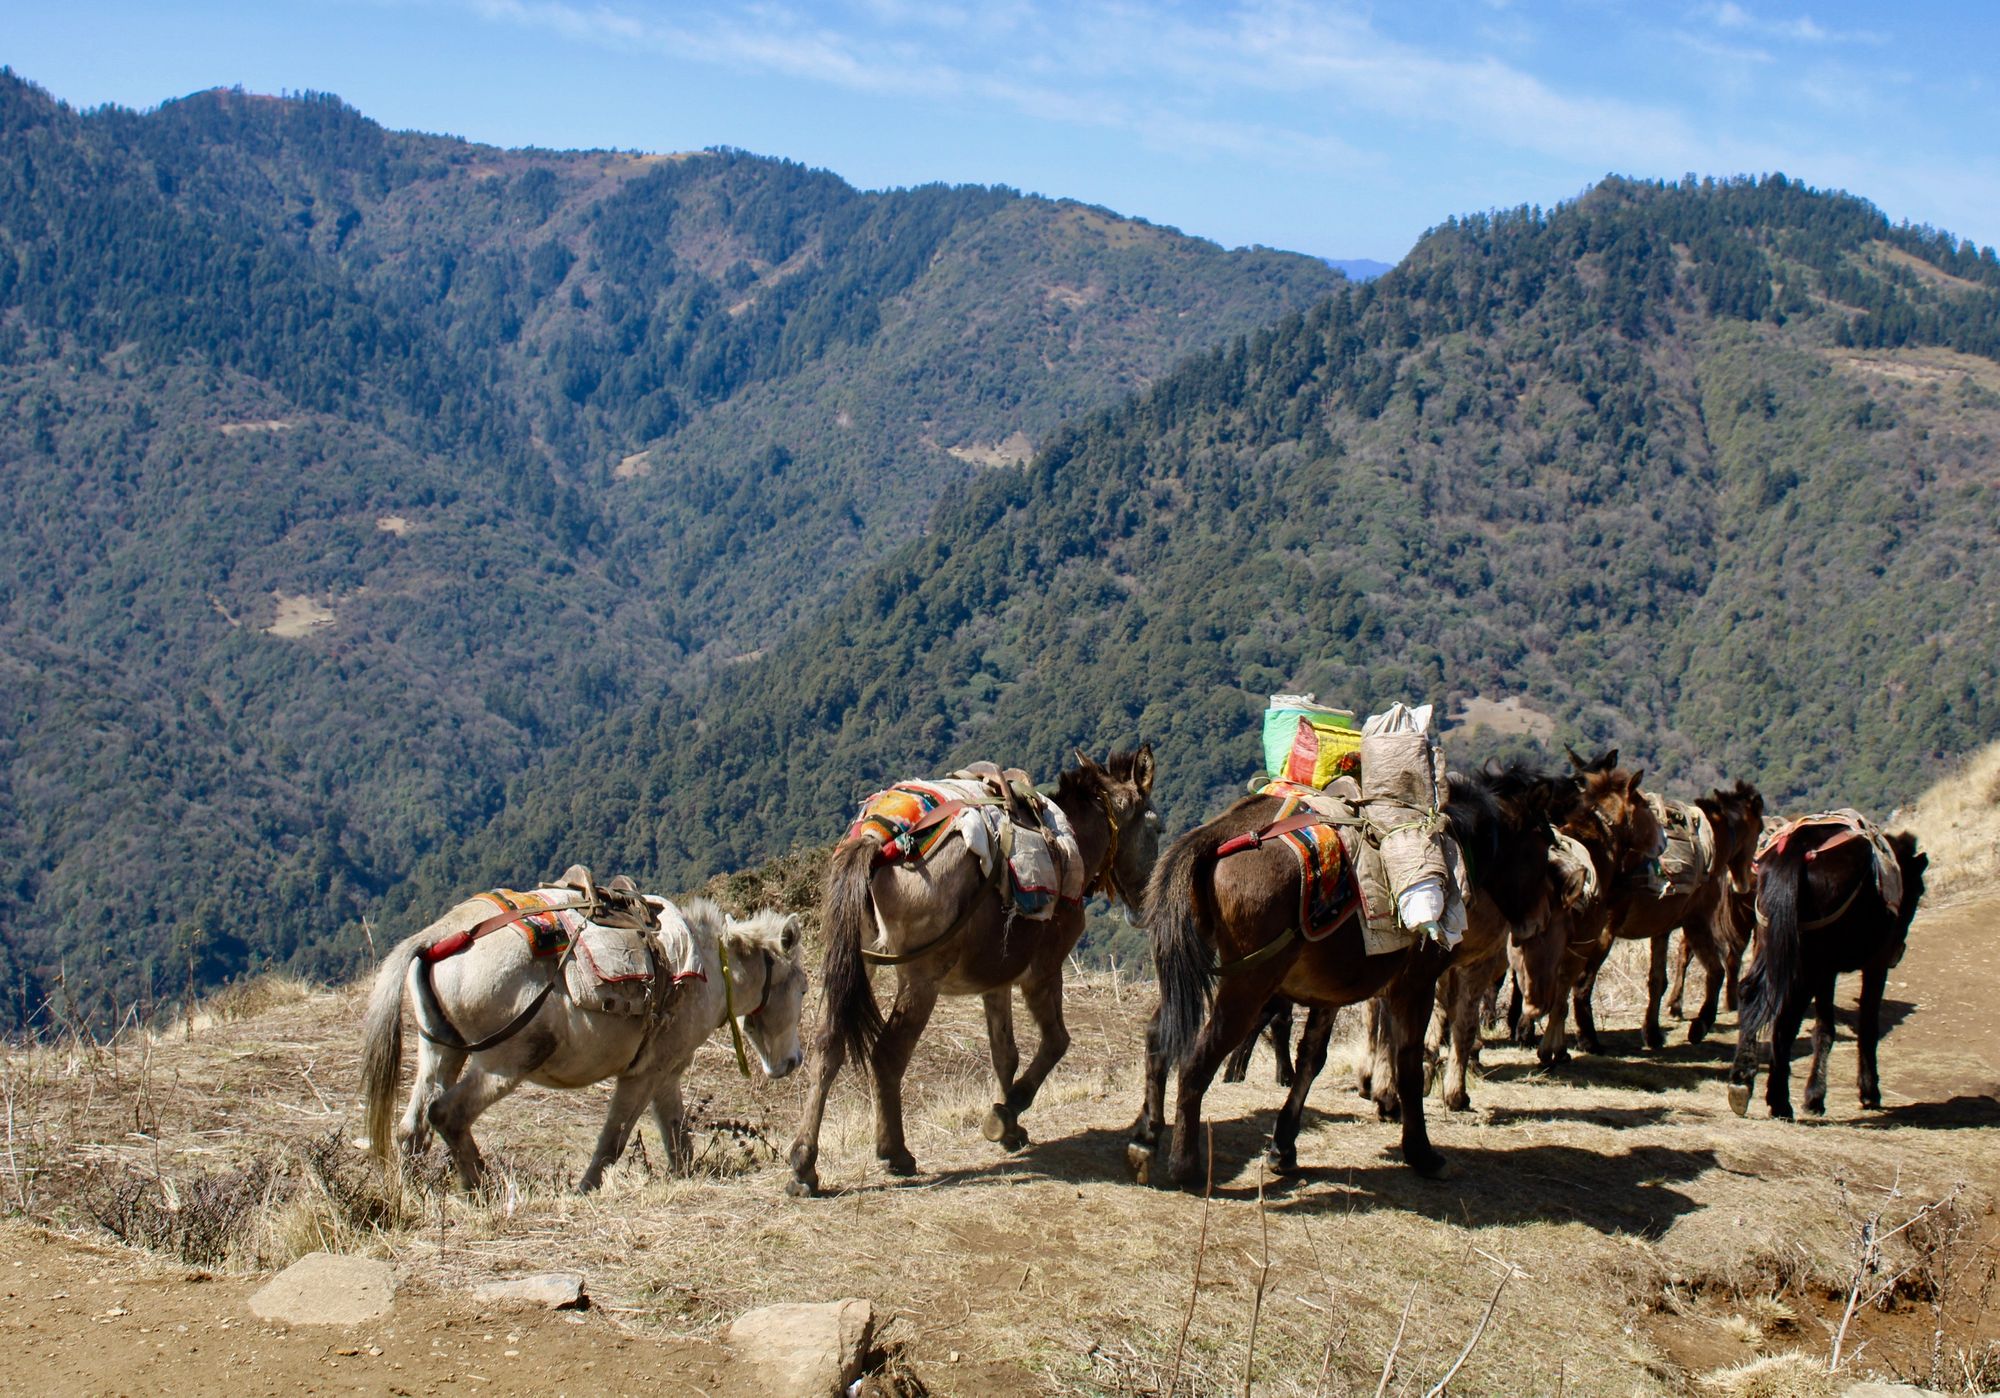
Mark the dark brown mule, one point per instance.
(1820, 914)
(1737, 817)
(1200, 907)
(948, 931)
(1616, 826)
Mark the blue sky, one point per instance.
(1342, 129)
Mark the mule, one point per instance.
(1742, 811)
(1200, 907)
(1820, 915)
(497, 995)
(948, 929)
(1620, 835)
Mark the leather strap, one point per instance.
(899, 958)
(450, 1038)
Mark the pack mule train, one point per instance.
(1834, 894)
(1229, 890)
(915, 887)
(495, 1011)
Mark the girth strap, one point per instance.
(1284, 941)
(450, 1038)
(886, 958)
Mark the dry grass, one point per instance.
(1659, 1236)
(1958, 824)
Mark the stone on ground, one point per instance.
(804, 1350)
(324, 1288)
(555, 1291)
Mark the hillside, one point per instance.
(351, 472)
(1704, 471)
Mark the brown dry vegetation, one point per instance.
(1658, 1243)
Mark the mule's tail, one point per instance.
(847, 1003)
(1183, 958)
(1774, 959)
(382, 1042)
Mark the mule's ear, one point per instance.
(1088, 763)
(1142, 768)
(1632, 783)
(1574, 760)
(789, 937)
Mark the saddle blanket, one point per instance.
(1888, 871)
(1690, 853)
(914, 817)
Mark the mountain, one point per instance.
(351, 473)
(1705, 471)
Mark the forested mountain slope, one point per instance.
(348, 472)
(1710, 472)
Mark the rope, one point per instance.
(729, 1009)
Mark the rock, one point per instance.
(323, 1288)
(804, 1351)
(554, 1291)
(1888, 1390)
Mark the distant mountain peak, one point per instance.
(1358, 269)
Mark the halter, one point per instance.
(1110, 872)
(729, 1006)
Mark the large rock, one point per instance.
(804, 1351)
(323, 1288)
(555, 1291)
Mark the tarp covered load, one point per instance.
(1689, 856)
(1023, 827)
(1403, 792)
(1309, 742)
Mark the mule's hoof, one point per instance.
(1432, 1167)
(1739, 1098)
(1698, 1031)
(1555, 1059)
(1652, 1040)
(1815, 1108)
(802, 1188)
(1389, 1108)
(1003, 1128)
(1139, 1160)
(1783, 1113)
(1284, 1079)
(1281, 1162)
(1459, 1101)
(1872, 1104)
(900, 1163)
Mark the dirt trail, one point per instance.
(1649, 1215)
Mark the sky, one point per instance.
(1333, 128)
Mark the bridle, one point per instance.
(729, 999)
(1108, 874)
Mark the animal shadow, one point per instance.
(1960, 1113)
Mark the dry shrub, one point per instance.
(1958, 823)
(247, 999)
(1788, 1375)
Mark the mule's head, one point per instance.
(770, 1021)
(1615, 819)
(1121, 792)
(1913, 863)
(1737, 816)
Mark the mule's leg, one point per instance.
(1652, 1036)
(1743, 1071)
(1237, 1066)
(1377, 1075)
(1822, 1042)
(1867, 1031)
(1364, 1066)
(452, 1114)
(670, 1115)
(1280, 1020)
(829, 1053)
(1466, 994)
(1283, 1152)
(1408, 1002)
(1517, 1005)
(1000, 1039)
(628, 1098)
(437, 1069)
(1784, 1031)
(914, 1002)
(1144, 1147)
(1732, 964)
(1705, 948)
(1580, 1000)
(1042, 994)
(1677, 987)
(1237, 1004)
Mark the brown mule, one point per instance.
(1737, 816)
(1201, 908)
(947, 930)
